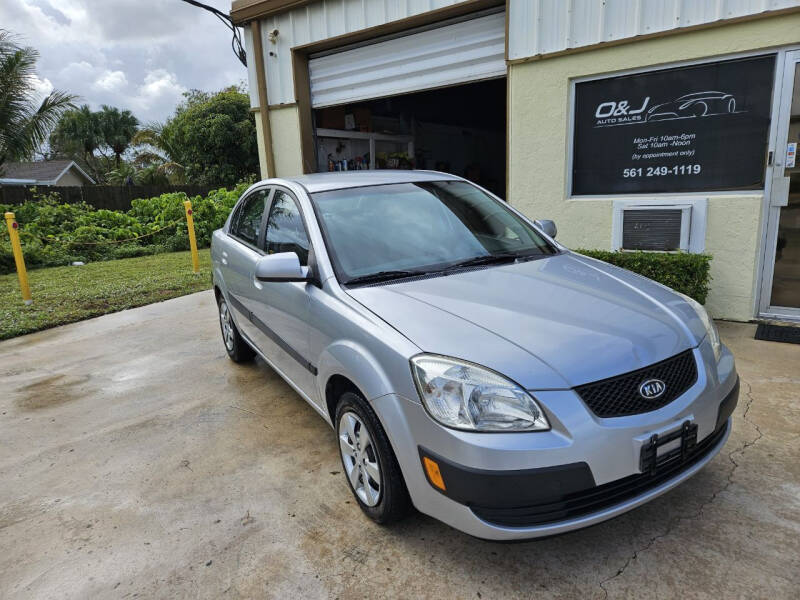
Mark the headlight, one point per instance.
(466, 396)
(711, 329)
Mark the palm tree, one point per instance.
(118, 128)
(77, 133)
(24, 127)
(122, 175)
(159, 151)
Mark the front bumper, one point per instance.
(506, 486)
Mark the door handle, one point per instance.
(779, 193)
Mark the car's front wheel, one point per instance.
(369, 463)
(238, 350)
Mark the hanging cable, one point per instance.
(236, 41)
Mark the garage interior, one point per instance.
(459, 130)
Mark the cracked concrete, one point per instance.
(748, 400)
(134, 467)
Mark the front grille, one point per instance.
(619, 396)
(600, 497)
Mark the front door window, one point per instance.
(285, 229)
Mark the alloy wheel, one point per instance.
(360, 459)
(226, 323)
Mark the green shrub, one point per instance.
(6, 260)
(685, 273)
(209, 214)
(55, 233)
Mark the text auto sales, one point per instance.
(618, 113)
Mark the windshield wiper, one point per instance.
(486, 259)
(383, 276)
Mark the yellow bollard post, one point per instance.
(187, 204)
(13, 234)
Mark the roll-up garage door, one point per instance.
(452, 54)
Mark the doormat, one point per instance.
(778, 333)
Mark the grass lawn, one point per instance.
(68, 294)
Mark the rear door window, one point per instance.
(246, 224)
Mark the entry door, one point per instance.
(781, 282)
(246, 230)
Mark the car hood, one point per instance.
(550, 323)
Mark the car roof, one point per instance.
(323, 182)
(699, 94)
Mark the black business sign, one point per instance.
(688, 129)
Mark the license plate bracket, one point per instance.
(649, 458)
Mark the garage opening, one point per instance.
(430, 98)
(459, 130)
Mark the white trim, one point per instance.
(8, 181)
(780, 314)
(81, 171)
(693, 222)
(789, 59)
(666, 196)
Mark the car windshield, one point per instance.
(411, 228)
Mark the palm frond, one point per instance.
(23, 126)
(36, 127)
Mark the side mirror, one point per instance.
(548, 226)
(283, 266)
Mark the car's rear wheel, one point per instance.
(369, 463)
(238, 350)
(700, 109)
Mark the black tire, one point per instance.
(238, 350)
(394, 502)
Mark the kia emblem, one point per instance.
(652, 389)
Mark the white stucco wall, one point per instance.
(285, 124)
(538, 151)
(262, 156)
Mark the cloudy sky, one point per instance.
(134, 54)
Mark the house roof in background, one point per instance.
(40, 172)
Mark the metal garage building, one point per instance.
(635, 124)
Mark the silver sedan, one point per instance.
(470, 365)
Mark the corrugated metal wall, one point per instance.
(545, 26)
(466, 51)
(535, 26)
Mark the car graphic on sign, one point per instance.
(698, 104)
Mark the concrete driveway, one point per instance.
(136, 460)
